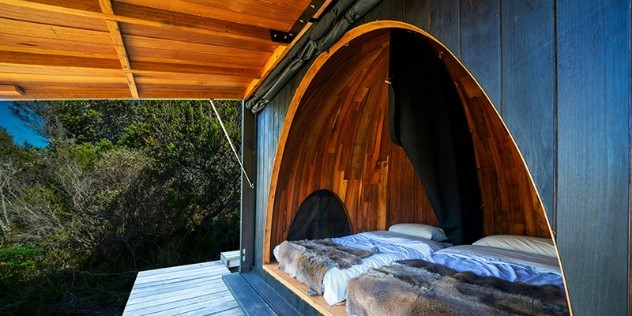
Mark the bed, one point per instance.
(500, 275)
(385, 247)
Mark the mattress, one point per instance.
(392, 246)
(506, 264)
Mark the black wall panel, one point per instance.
(444, 23)
(480, 44)
(415, 12)
(392, 10)
(593, 164)
(528, 88)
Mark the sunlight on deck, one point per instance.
(195, 289)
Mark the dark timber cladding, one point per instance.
(480, 35)
(528, 85)
(559, 73)
(593, 41)
(248, 220)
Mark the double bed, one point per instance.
(403, 265)
(400, 242)
(500, 275)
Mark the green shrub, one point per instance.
(20, 263)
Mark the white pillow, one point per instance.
(536, 245)
(419, 230)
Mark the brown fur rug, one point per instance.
(418, 287)
(309, 260)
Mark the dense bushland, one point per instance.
(121, 187)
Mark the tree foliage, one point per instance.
(121, 186)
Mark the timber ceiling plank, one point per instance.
(178, 69)
(72, 92)
(172, 44)
(55, 53)
(30, 29)
(201, 82)
(29, 43)
(15, 77)
(63, 5)
(45, 17)
(165, 17)
(57, 60)
(59, 70)
(284, 11)
(193, 37)
(192, 58)
(222, 11)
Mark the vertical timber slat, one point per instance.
(444, 23)
(593, 163)
(480, 44)
(528, 99)
(248, 194)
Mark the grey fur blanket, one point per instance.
(417, 287)
(308, 260)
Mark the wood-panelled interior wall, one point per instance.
(338, 139)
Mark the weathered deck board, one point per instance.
(194, 289)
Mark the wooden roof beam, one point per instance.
(11, 90)
(119, 45)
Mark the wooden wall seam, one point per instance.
(629, 307)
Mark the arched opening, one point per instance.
(336, 137)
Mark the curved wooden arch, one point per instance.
(512, 203)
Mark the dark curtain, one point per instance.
(427, 119)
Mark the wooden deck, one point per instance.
(195, 289)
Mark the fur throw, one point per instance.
(417, 287)
(309, 260)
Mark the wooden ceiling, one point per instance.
(149, 49)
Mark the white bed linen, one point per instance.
(506, 264)
(392, 246)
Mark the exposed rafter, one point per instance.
(119, 45)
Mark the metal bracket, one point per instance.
(281, 37)
(306, 17)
